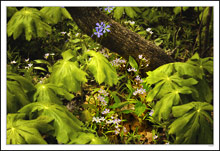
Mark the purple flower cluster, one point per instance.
(106, 111)
(139, 91)
(109, 9)
(101, 29)
(102, 100)
(138, 79)
(103, 92)
(132, 69)
(117, 62)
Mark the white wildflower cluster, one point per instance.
(118, 62)
(151, 112)
(106, 111)
(103, 92)
(102, 100)
(139, 91)
(46, 55)
(138, 79)
(29, 66)
(132, 69)
(149, 31)
(104, 53)
(130, 22)
(144, 59)
(98, 119)
(13, 62)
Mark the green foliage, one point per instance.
(21, 131)
(30, 21)
(132, 62)
(193, 123)
(11, 11)
(88, 138)
(65, 124)
(139, 108)
(177, 78)
(67, 74)
(130, 11)
(50, 93)
(102, 70)
(56, 14)
(19, 91)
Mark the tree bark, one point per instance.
(120, 39)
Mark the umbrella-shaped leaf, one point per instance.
(49, 93)
(102, 70)
(66, 74)
(193, 122)
(20, 131)
(30, 21)
(66, 125)
(56, 14)
(164, 106)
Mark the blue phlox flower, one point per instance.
(106, 28)
(98, 33)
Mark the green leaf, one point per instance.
(102, 70)
(66, 74)
(130, 12)
(19, 92)
(132, 62)
(11, 11)
(188, 69)
(118, 12)
(67, 55)
(66, 125)
(139, 108)
(87, 138)
(30, 21)
(50, 93)
(20, 131)
(163, 107)
(192, 123)
(56, 14)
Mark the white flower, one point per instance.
(30, 65)
(63, 33)
(151, 32)
(46, 55)
(52, 54)
(151, 112)
(102, 119)
(26, 60)
(148, 29)
(109, 121)
(13, 62)
(132, 22)
(155, 137)
(140, 56)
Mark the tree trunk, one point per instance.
(120, 39)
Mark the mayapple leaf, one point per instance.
(163, 107)
(66, 125)
(11, 11)
(19, 92)
(50, 93)
(118, 12)
(205, 64)
(166, 84)
(102, 70)
(66, 74)
(21, 131)
(193, 121)
(130, 12)
(30, 21)
(56, 14)
(87, 138)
